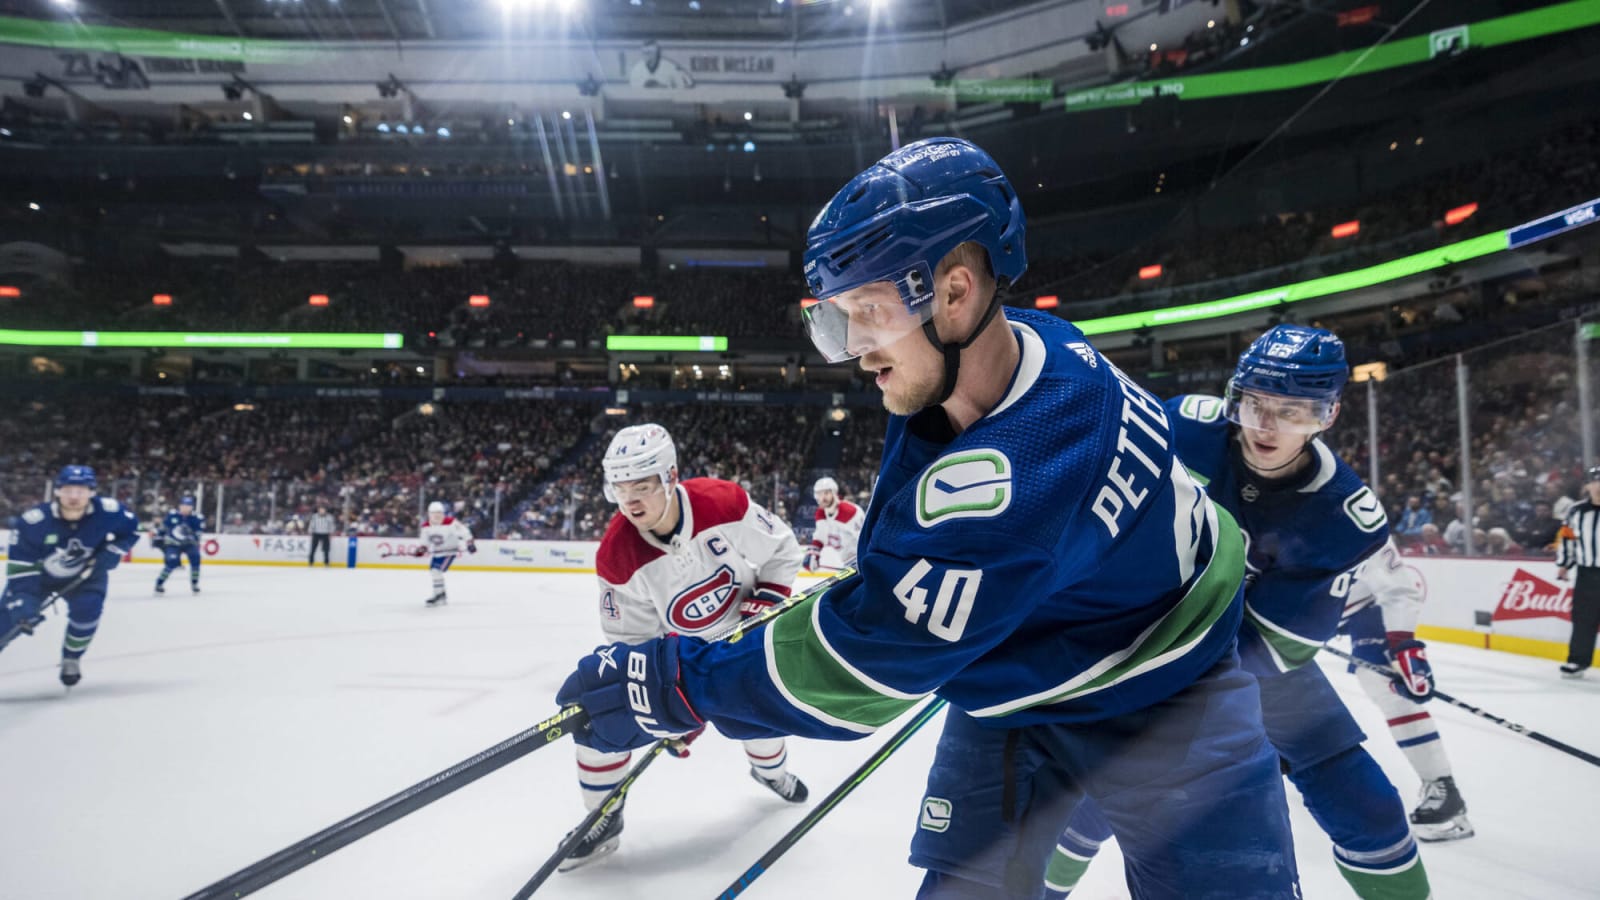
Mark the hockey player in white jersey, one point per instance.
(680, 557)
(838, 528)
(1384, 604)
(444, 538)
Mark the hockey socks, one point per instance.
(599, 773)
(1405, 879)
(76, 641)
(1075, 849)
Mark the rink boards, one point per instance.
(1514, 605)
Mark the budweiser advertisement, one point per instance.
(1517, 598)
(1527, 596)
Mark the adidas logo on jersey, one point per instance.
(1085, 353)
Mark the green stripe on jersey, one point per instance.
(813, 677)
(1289, 650)
(18, 569)
(1173, 635)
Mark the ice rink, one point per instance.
(212, 730)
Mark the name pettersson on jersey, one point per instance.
(971, 484)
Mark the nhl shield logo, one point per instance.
(1249, 492)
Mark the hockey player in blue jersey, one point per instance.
(1033, 553)
(178, 536)
(67, 545)
(1310, 524)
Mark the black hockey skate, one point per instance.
(786, 786)
(438, 599)
(194, 587)
(161, 587)
(1572, 670)
(600, 842)
(71, 672)
(1442, 814)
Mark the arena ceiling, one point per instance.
(444, 20)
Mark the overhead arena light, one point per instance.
(161, 299)
(1347, 229)
(1148, 272)
(1049, 301)
(1460, 214)
(478, 301)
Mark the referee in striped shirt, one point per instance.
(1580, 547)
(322, 525)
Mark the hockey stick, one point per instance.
(305, 852)
(850, 783)
(1589, 758)
(613, 799)
(60, 593)
(618, 793)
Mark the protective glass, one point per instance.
(860, 320)
(1272, 412)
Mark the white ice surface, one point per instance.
(212, 730)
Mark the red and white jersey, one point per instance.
(1385, 578)
(445, 538)
(727, 547)
(837, 532)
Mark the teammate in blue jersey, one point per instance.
(1310, 524)
(1033, 553)
(178, 536)
(67, 545)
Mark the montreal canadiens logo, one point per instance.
(702, 605)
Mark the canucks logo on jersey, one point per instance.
(68, 561)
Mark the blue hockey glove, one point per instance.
(472, 546)
(632, 695)
(1413, 676)
(19, 612)
(761, 601)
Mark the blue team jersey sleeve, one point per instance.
(121, 527)
(25, 554)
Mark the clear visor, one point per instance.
(1274, 413)
(861, 320)
(642, 489)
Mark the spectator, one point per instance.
(1501, 544)
(1432, 543)
(1413, 518)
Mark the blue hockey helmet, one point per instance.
(1295, 362)
(186, 500)
(885, 232)
(76, 475)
